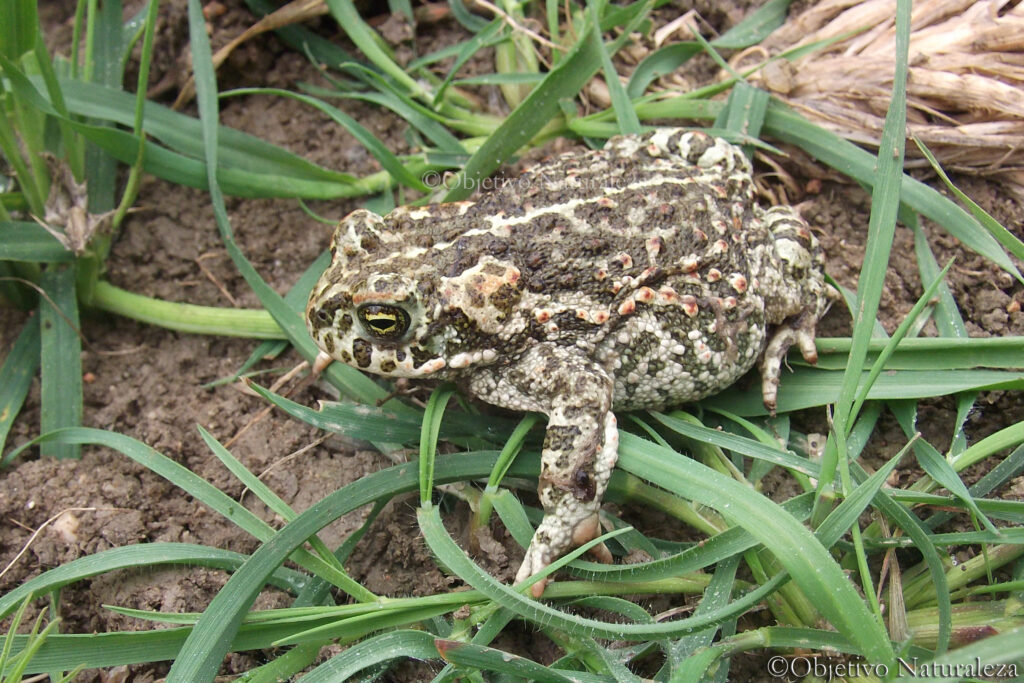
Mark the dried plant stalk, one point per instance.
(965, 90)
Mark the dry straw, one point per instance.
(964, 92)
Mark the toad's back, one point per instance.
(640, 258)
(649, 256)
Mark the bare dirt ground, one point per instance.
(147, 382)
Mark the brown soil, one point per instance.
(147, 382)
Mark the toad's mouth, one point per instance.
(405, 360)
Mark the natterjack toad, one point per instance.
(643, 275)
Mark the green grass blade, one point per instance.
(469, 21)
(744, 112)
(912, 527)
(357, 628)
(140, 555)
(432, 416)
(1007, 437)
(535, 112)
(24, 241)
(512, 515)
(717, 548)
(511, 449)
(420, 117)
(1010, 511)
(491, 34)
(105, 67)
(899, 335)
(354, 420)
(338, 575)
(285, 667)
(630, 610)
(1005, 535)
(490, 659)
(846, 513)
(738, 444)
(61, 358)
(74, 154)
(501, 79)
(939, 469)
(697, 666)
(625, 114)
(370, 43)
(1006, 238)
(1006, 648)
(885, 203)
(64, 652)
(182, 133)
(34, 640)
(98, 650)
(19, 367)
(373, 651)
(131, 189)
(19, 28)
(233, 322)
(755, 27)
(661, 62)
(946, 314)
(375, 147)
(933, 463)
(935, 353)
(31, 192)
(5, 653)
(1009, 467)
(807, 388)
(393, 423)
(716, 597)
(248, 479)
(182, 170)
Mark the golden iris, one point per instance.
(383, 321)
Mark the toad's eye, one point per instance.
(384, 322)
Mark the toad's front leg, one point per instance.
(580, 447)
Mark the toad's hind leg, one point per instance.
(799, 297)
(571, 507)
(580, 446)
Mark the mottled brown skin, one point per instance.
(642, 275)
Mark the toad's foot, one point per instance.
(800, 331)
(571, 520)
(323, 359)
